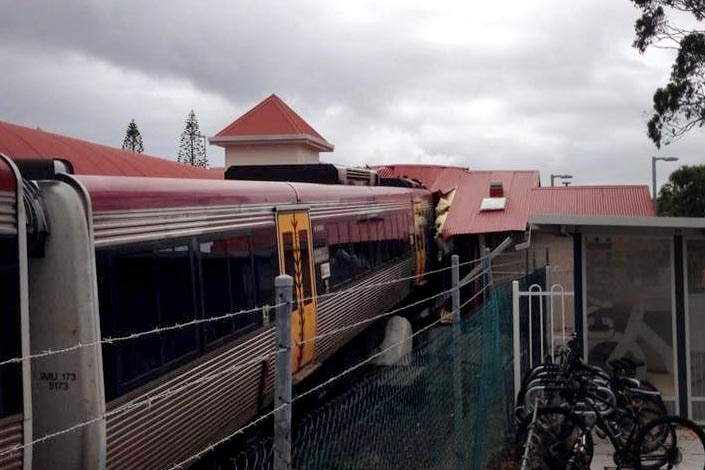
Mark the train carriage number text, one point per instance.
(58, 381)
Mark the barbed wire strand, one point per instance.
(172, 391)
(211, 447)
(371, 319)
(393, 281)
(146, 401)
(386, 314)
(118, 339)
(363, 362)
(149, 400)
(504, 265)
(198, 321)
(474, 296)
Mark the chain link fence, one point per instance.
(404, 416)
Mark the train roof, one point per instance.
(137, 193)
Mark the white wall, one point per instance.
(271, 154)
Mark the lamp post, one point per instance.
(565, 177)
(653, 177)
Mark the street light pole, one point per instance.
(653, 178)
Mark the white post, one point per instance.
(516, 339)
(457, 367)
(549, 310)
(283, 291)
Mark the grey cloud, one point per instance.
(569, 91)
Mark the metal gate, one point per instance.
(539, 323)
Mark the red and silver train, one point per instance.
(84, 258)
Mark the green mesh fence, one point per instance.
(403, 416)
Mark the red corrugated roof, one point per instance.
(524, 197)
(434, 177)
(623, 200)
(465, 217)
(270, 117)
(88, 158)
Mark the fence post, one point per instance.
(457, 367)
(487, 273)
(549, 311)
(283, 290)
(516, 339)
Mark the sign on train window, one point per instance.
(305, 266)
(289, 260)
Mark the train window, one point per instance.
(139, 291)
(137, 305)
(342, 266)
(176, 300)
(217, 295)
(227, 285)
(265, 264)
(10, 375)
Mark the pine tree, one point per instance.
(133, 138)
(192, 149)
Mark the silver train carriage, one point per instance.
(127, 255)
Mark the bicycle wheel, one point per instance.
(670, 442)
(555, 432)
(650, 409)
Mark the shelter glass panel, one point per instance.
(695, 269)
(629, 304)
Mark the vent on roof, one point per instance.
(496, 189)
(357, 176)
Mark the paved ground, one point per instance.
(602, 457)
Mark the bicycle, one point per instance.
(669, 442)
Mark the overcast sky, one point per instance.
(551, 85)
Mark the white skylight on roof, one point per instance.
(493, 204)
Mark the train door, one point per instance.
(420, 240)
(296, 260)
